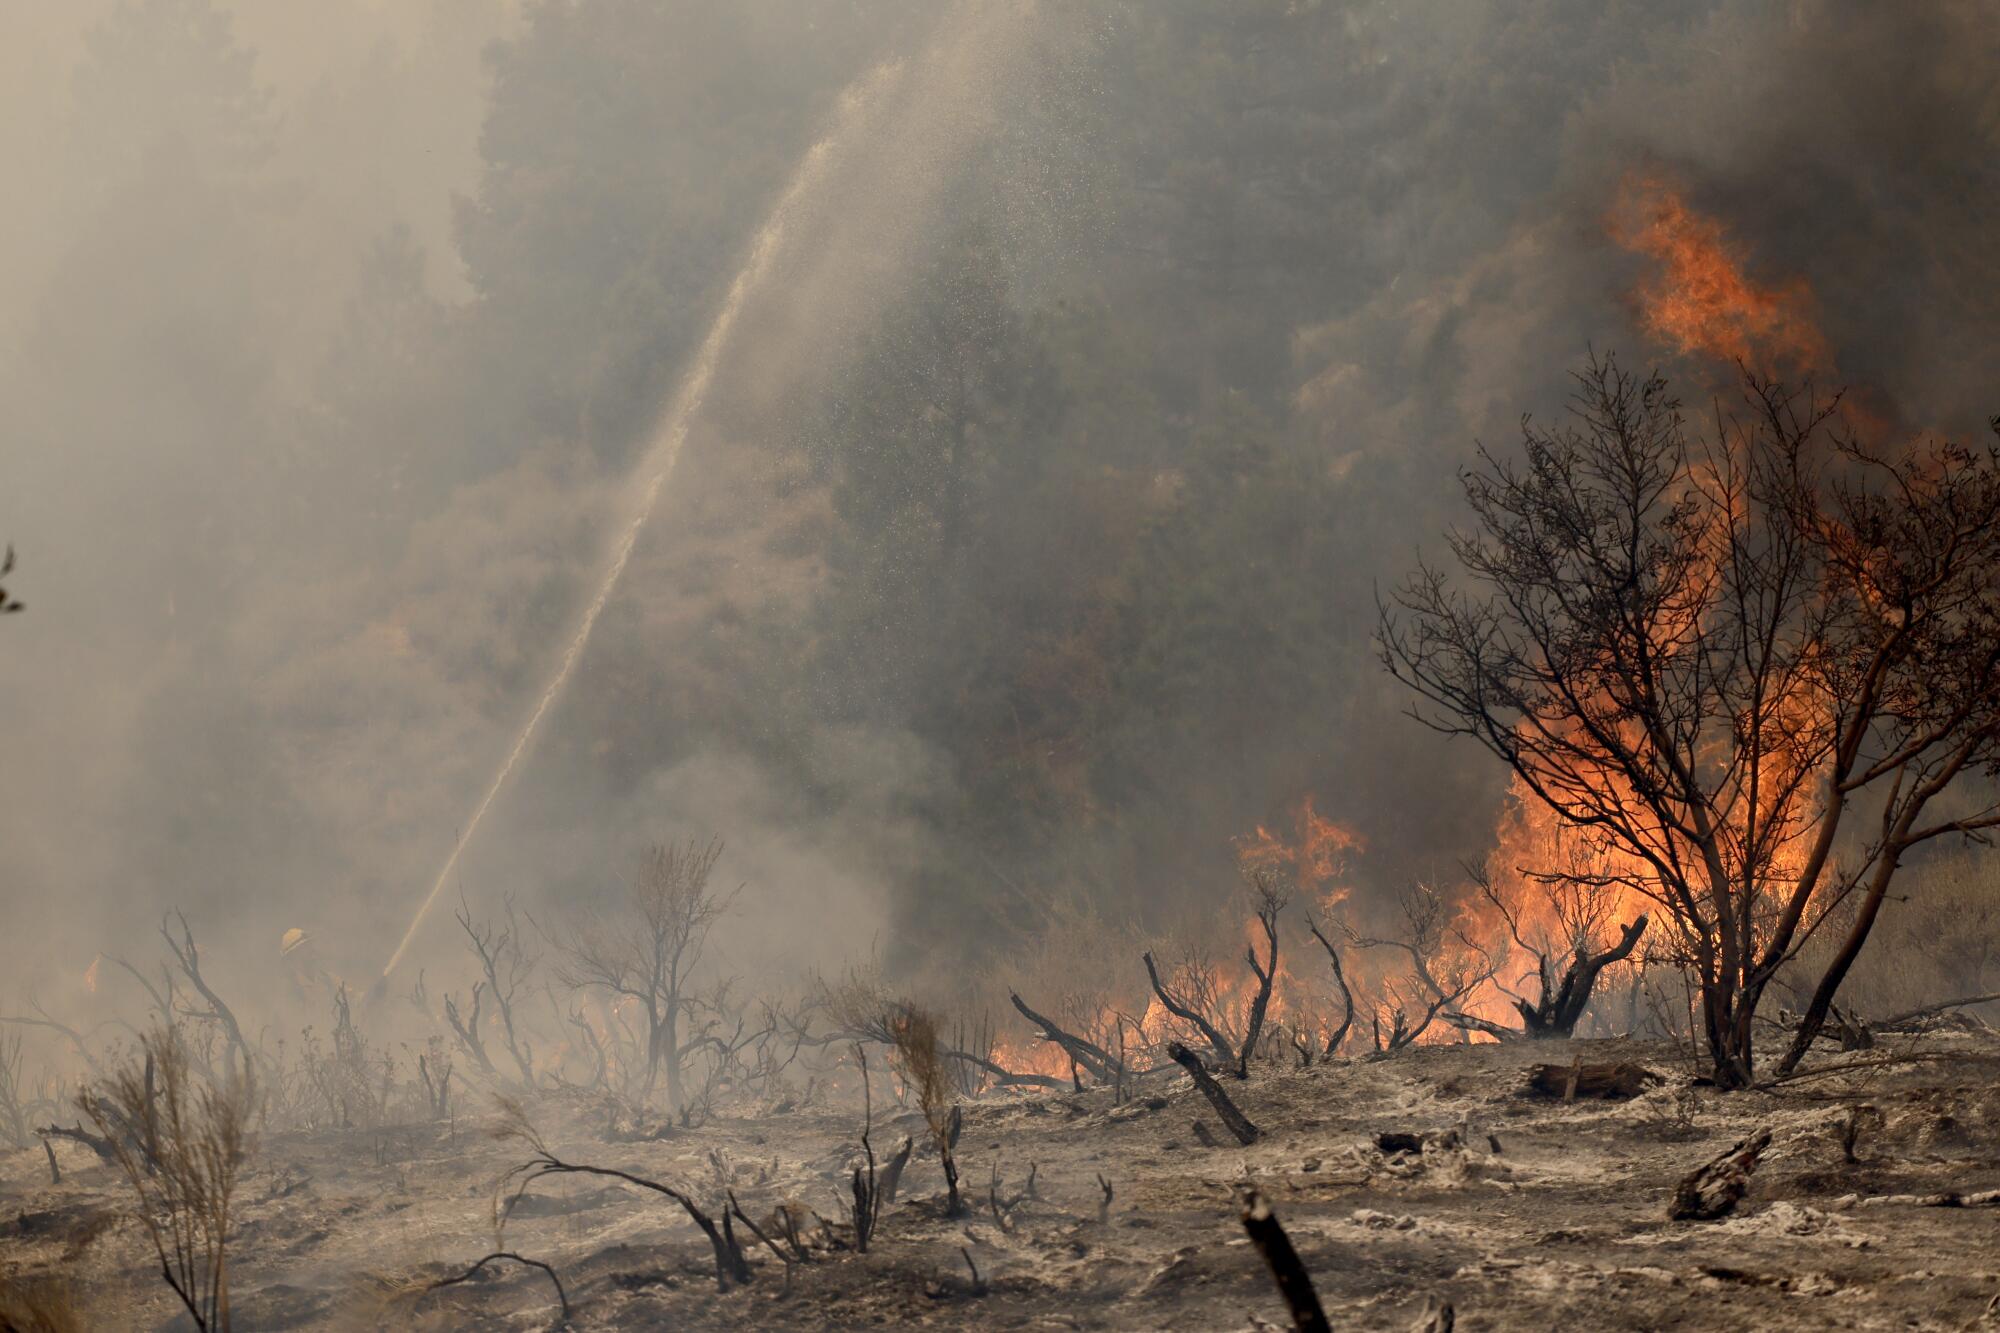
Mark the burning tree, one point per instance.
(1708, 654)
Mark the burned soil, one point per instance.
(1437, 1174)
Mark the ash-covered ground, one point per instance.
(1522, 1212)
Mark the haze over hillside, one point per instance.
(1026, 546)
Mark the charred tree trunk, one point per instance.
(1339, 1034)
(1294, 1282)
(1267, 976)
(1712, 1189)
(1239, 1124)
(1836, 972)
(670, 1056)
(1558, 1010)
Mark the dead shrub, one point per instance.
(928, 1074)
(181, 1143)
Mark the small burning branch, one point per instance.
(1294, 1282)
(562, 1297)
(730, 1265)
(1187, 1011)
(1239, 1124)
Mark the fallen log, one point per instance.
(1712, 1190)
(1612, 1082)
(1947, 1199)
(1238, 1123)
(1915, 1018)
(102, 1147)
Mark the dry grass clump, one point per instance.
(39, 1305)
(181, 1141)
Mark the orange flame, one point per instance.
(1315, 858)
(1700, 300)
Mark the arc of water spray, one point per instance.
(651, 477)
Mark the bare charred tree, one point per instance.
(1269, 899)
(650, 952)
(17, 1109)
(1338, 1033)
(468, 1029)
(434, 1074)
(562, 1296)
(723, 1030)
(1287, 1270)
(1232, 1117)
(187, 956)
(507, 967)
(1194, 1003)
(1567, 961)
(599, 1062)
(867, 1187)
(1712, 652)
(1445, 967)
(1081, 1050)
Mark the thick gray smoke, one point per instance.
(1026, 548)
